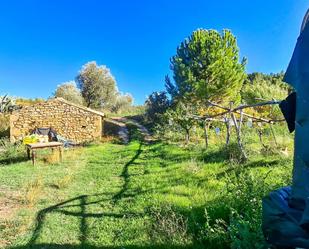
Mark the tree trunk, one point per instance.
(260, 133)
(228, 130)
(238, 133)
(240, 121)
(187, 136)
(206, 134)
(228, 124)
(273, 133)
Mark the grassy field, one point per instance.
(139, 195)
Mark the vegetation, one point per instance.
(209, 82)
(156, 195)
(97, 84)
(179, 117)
(162, 193)
(156, 104)
(70, 92)
(26, 102)
(4, 125)
(262, 87)
(206, 67)
(99, 89)
(6, 104)
(122, 103)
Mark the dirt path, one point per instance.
(123, 132)
(116, 127)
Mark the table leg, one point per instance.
(28, 153)
(60, 153)
(33, 156)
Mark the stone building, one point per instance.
(71, 121)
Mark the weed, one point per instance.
(168, 226)
(33, 192)
(193, 166)
(215, 232)
(64, 182)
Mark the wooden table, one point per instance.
(31, 149)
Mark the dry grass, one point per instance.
(9, 203)
(52, 157)
(64, 182)
(33, 191)
(193, 166)
(168, 226)
(107, 139)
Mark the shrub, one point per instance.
(156, 105)
(4, 125)
(235, 220)
(215, 233)
(10, 153)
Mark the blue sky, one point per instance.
(44, 43)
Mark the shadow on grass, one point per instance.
(82, 202)
(77, 207)
(249, 165)
(68, 246)
(222, 154)
(12, 160)
(125, 174)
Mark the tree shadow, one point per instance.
(69, 246)
(82, 202)
(13, 160)
(125, 174)
(249, 165)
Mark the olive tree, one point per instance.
(97, 85)
(122, 103)
(70, 92)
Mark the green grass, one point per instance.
(138, 196)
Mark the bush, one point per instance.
(4, 125)
(123, 103)
(10, 153)
(233, 153)
(156, 104)
(215, 233)
(235, 221)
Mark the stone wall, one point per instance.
(71, 121)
